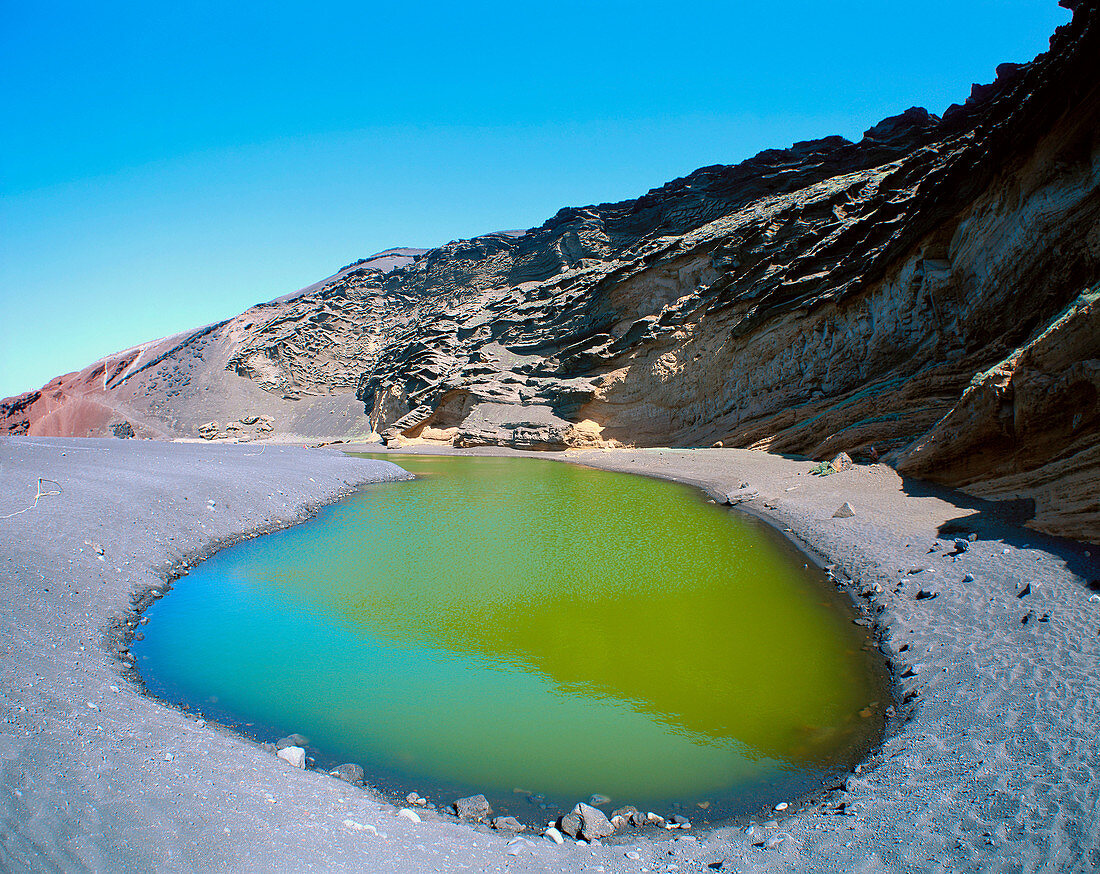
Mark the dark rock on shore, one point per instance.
(586, 822)
(475, 807)
(350, 773)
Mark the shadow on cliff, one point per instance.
(1004, 521)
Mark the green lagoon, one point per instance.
(534, 631)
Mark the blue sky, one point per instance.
(168, 165)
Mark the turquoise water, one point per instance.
(535, 631)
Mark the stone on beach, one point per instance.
(295, 756)
(509, 824)
(585, 821)
(841, 463)
(475, 807)
(844, 511)
(350, 773)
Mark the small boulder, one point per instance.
(571, 825)
(844, 511)
(292, 740)
(349, 773)
(961, 545)
(841, 463)
(475, 807)
(295, 756)
(586, 822)
(410, 815)
(554, 835)
(208, 431)
(630, 814)
(508, 824)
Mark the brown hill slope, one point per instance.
(922, 295)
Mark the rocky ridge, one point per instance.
(926, 296)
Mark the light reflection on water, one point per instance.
(515, 623)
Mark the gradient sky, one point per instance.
(163, 166)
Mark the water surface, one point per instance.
(535, 631)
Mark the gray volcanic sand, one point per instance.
(994, 768)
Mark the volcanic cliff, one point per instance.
(929, 295)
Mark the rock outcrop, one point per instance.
(925, 296)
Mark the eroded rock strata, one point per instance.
(927, 296)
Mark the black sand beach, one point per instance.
(992, 764)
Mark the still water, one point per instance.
(534, 631)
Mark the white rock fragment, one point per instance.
(782, 805)
(93, 706)
(554, 835)
(409, 814)
(295, 756)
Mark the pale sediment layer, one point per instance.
(996, 768)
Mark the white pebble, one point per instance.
(782, 805)
(410, 815)
(93, 705)
(555, 835)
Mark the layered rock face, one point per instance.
(926, 296)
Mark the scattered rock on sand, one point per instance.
(631, 815)
(586, 822)
(554, 835)
(962, 545)
(349, 773)
(291, 740)
(1024, 592)
(924, 594)
(475, 807)
(508, 824)
(841, 463)
(410, 815)
(415, 798)
(295, 756)
(844, 511)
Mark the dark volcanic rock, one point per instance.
(927, 296)
(475, 807)
(350, 773)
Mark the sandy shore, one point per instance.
(996, 769)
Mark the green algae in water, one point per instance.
(506, 624)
